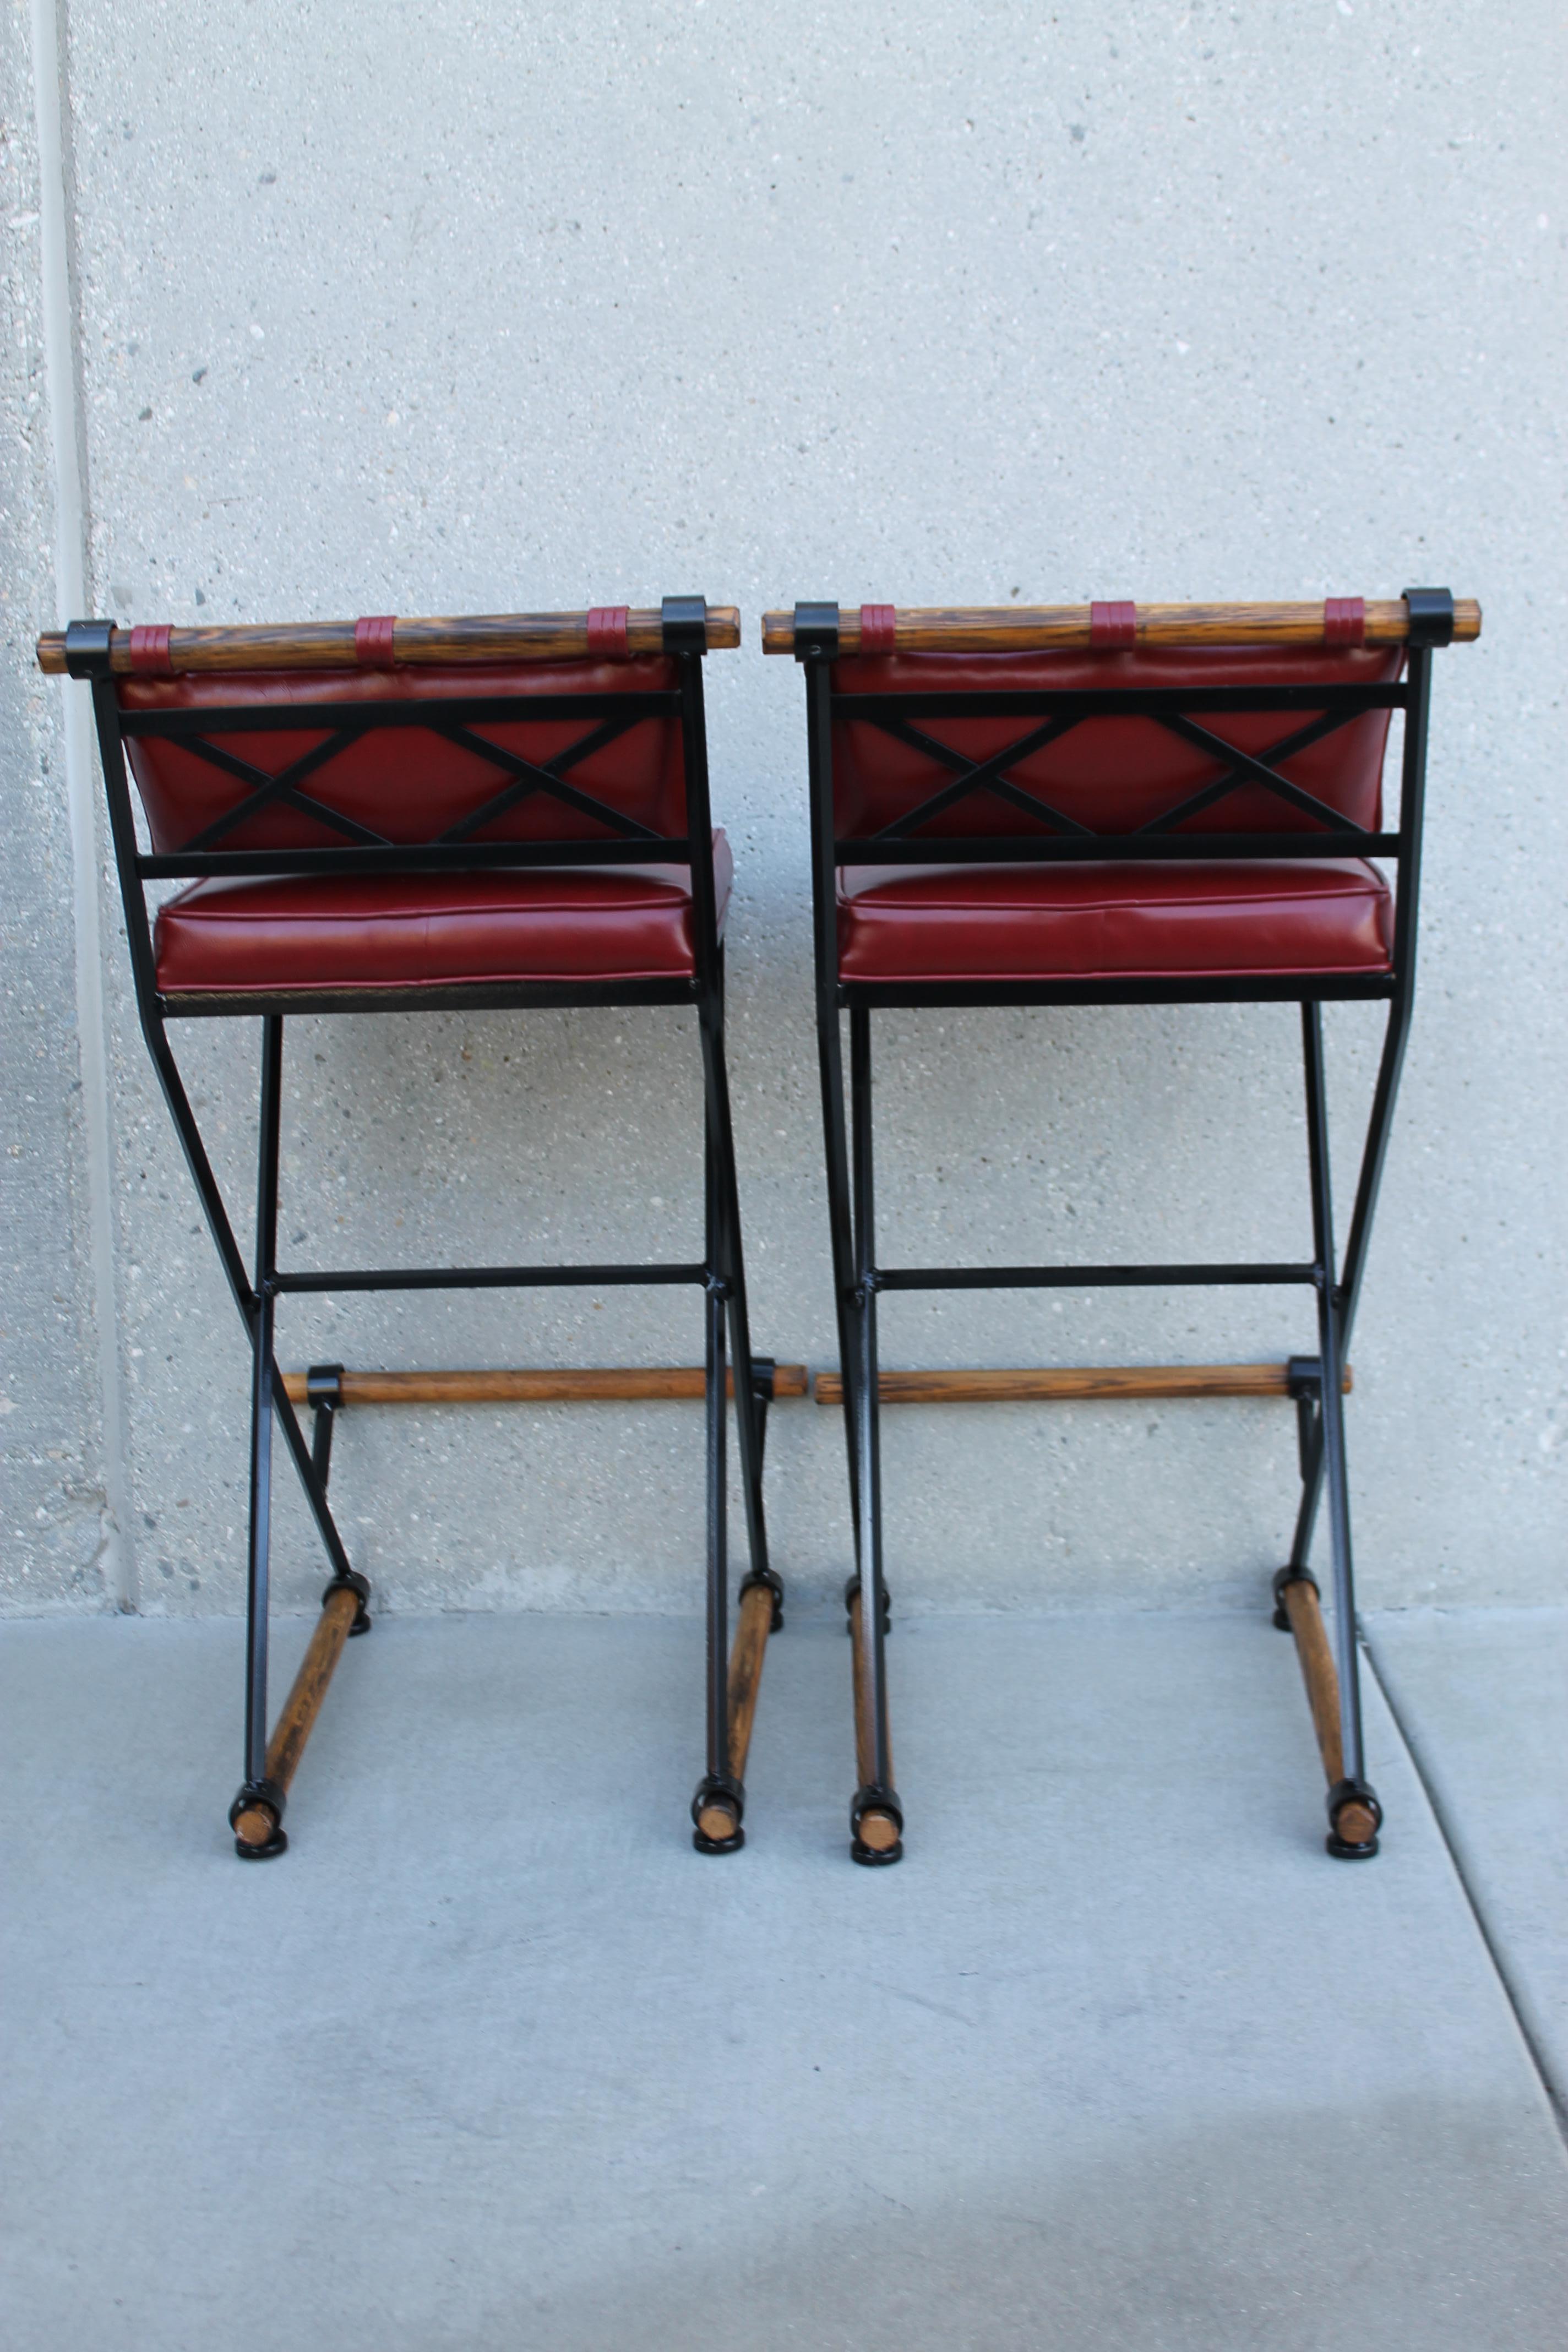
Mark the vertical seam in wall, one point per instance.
(61, 344)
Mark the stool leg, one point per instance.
(719, 1806)
(261, 1799)
(1353, 1810)
(875, 1818)
(830, 1056)
(749, 1410)
(1373, 1154)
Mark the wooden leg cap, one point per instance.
(257, 1835)
(1353, 1837)
(878, 1837)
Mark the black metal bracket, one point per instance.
(360, 1587)
(1304, 1381)
(87, 648)
(1431, 614)
(728, 1789)
(816, 632)
(867, 1799)
(273, 1799)
(764, 1388)
(770, 1581)
(324, 1395)
(1346, 1792)
(685, 623)
(1282, 1577)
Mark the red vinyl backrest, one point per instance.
(1113, 774)
(406, 782)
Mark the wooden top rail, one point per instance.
(332, 644)
(1035, 628)
(1061, 1383)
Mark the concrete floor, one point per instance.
(1116, 2058)
(1482, 1699)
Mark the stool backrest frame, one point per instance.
(837, 691)
(295, 692)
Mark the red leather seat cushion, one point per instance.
(1181, 921)
(434, 930)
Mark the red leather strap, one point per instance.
(607, 632)
(879, 628)
(1112, 628)
(150, 651)
(1344, 621)
(373, 641)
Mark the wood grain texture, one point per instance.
(718, 1821)
(1059, 1382)
(865, 1715)
(303, 1704)
(297, 1717)
(1318, 1672)
(330, 644)
(754, 1625)
(630, 1384)
(1039, 629)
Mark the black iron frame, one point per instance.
(859, 1279)
(721, 1273)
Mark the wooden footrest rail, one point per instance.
(1064, 1381)
(634, 1385)
(256, 1826)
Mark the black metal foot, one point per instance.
(259, 1803)
(852, 1588)
(876, 1828)
(775, 1584)
(717, 1810)
(1353, 1806)
(1283, 1577)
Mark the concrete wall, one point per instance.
(435, 309)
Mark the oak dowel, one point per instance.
(754, 1625)
(878, 1830)
(330, 644)
(1056, 1383)
(1039, 629)
(301, 1707)
(630, 1384)
(1354, 1823)
(718, 1820)
(1318, 1672)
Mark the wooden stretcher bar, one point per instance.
(1038, 628)
(330, 644)
(1355, 1823)
(632, 1384)
(256, 1825)
(1061, 1383)
(718, 1817)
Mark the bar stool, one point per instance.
(394, 816)
(1114, 804)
